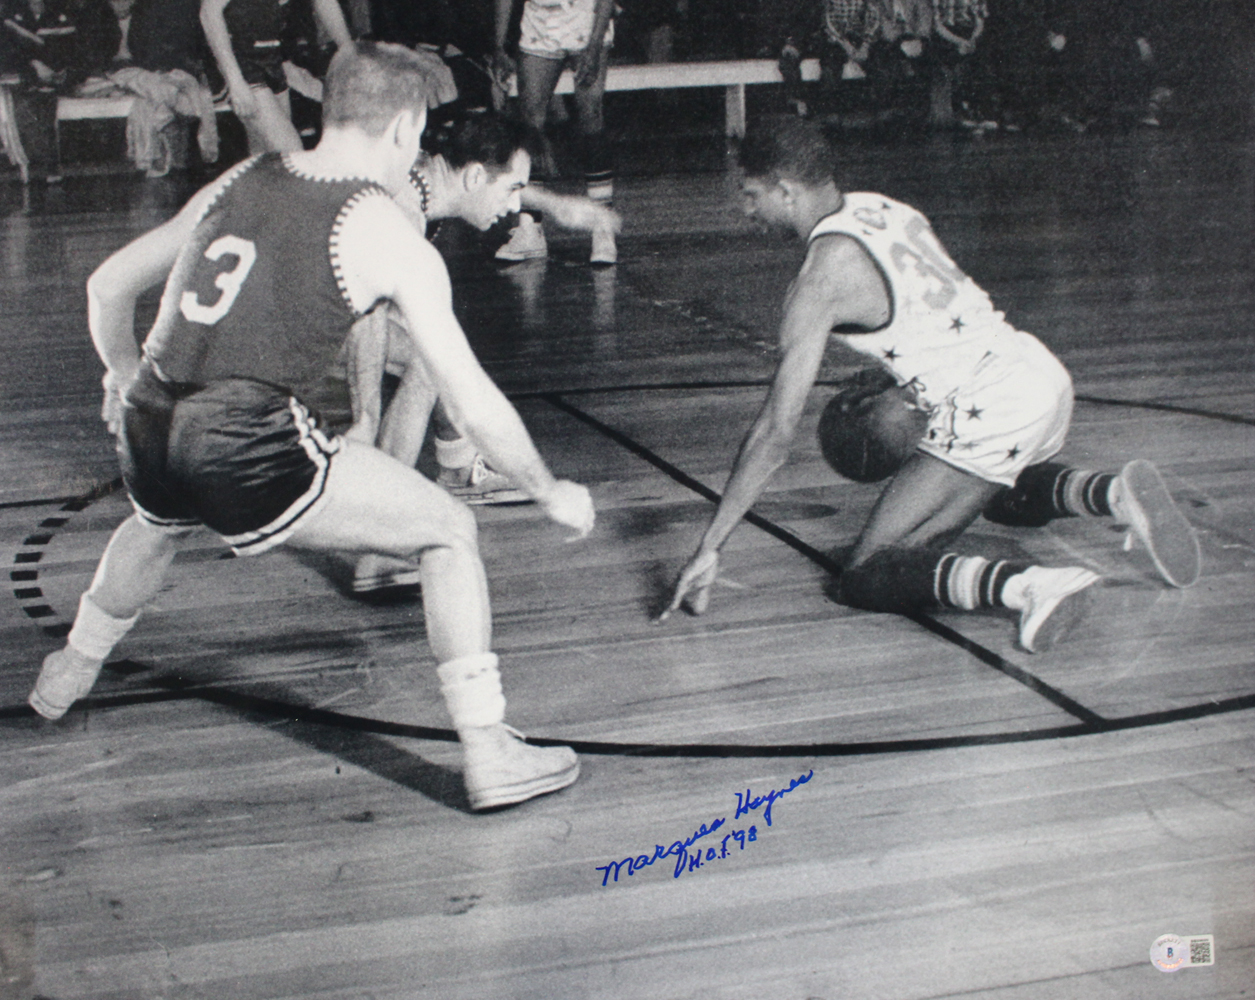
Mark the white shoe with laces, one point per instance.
(1142, 501)
(604, 249)
(500, 768)
(526, 242)
(478, 483)
(66, 676)
(1052, 601)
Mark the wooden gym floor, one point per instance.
(260, 800)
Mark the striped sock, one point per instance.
(971, 582)
(1080, 492)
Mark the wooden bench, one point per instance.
(733, 75)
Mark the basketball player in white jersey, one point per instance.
(876, 277)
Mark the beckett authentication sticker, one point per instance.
(1170, 953)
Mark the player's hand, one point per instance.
(696, 578)
(578, 212)
(503, 67)
(588, 65)
(243, 100)
(569, 504)
(112, 406)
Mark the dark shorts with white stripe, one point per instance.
(244, 458)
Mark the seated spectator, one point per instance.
(167, 75)
(52, 46)
(896, 65)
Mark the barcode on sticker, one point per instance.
(1201, 950)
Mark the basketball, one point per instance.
(870, 427)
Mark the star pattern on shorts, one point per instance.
(1014, 452)
(957, 324)
(891, 355)
(974, 412)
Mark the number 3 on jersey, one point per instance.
(229, 281)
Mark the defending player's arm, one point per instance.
(116, 285)
(571, 211)
(838, 284)
(384, 257)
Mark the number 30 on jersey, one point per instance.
(228, 282)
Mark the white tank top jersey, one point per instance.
(999, 400)
(943, 328)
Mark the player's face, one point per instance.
(764, 201)
(498, 195)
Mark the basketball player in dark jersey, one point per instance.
(999, 403)
(268, 268)
(246, 38)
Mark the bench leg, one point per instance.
(734, 104)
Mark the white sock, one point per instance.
(96, 632)
(471, 686)
(455, 454)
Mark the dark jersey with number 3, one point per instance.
(256, 293)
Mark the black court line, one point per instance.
(596, 390)
(245, 703)
(986, 656)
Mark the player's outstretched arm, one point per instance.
(382, 256)
(571, 211)
(837, 284)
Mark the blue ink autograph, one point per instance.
(686, 861)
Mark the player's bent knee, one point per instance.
(897, 580)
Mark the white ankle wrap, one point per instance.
(471, 687)
(96, 632)
(455, 454)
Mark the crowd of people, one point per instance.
(986, 64)
(979, 64)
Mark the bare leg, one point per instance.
(128, 576)
(926, 503)
(271, 129)
(374, 503)
(899, 563)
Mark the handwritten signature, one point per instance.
(687, 860)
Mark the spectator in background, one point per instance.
(963, 77)
(850, 27)
(166, 72)
(52, 46)
(246, 38)
(1017, 49)
(553, 34)
(896, 65)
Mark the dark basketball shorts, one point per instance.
(241, 457)
(262, 65)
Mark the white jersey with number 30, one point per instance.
(998, 397)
